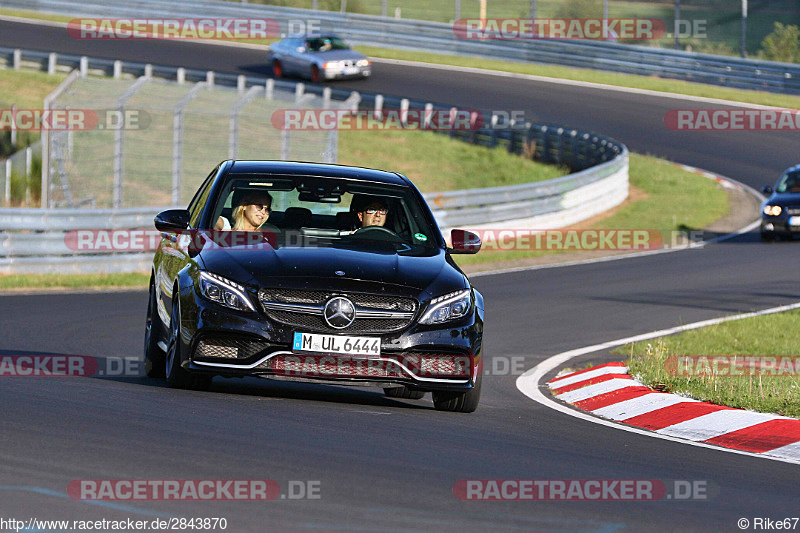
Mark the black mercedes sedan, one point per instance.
(780, 212)
(314, 272)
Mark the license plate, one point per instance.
(336, 344)
(794, 221)
(351, 70)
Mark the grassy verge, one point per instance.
(763, 336)
(554, 71)
(456, 165)
(73, 281)
(670, 199)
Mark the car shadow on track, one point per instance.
(130, 370)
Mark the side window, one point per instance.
(200, 198)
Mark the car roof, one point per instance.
(294, 168)
(792, 169)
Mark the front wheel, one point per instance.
(459, 402)
(177, 376)
(277, 69)
(153, 355)
(314, 74)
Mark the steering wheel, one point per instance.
(378, 233)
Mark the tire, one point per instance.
(459, 402)
(314, 74)
(404, 392)
(177, 376)
(767, 236)
(153, 355)
(277, 69)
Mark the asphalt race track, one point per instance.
(390, 465)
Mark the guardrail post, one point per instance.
(326, 98)
(52, 62)
(28, 161)
(241, 83)
(14, 129)
(270, 88)
(180, 75)
(148, 70)
(545, 145)
(117, 69)
(511, 138)
(210, 78)
(378, 114)
(16, 62)
(426, 124)
(84, 66)
(404, 111)
(7, 192)
(299, 89)
(493, 131)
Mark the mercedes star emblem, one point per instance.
(339, 312)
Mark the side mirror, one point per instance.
(172, 220)
(464, 242)
(766, 189)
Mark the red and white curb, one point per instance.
(610, 392)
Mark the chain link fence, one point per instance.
(154, 140)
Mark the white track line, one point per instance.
(531, 386)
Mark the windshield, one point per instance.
(789, 182)
(323, 44)
(326, 211)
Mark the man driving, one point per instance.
(373, 213)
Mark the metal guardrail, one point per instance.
(600, 182)
(433, 36)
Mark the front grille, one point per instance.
(230, 348)
(331, 367)
(793, 210)
(308, 314)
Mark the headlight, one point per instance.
(224, 292)
(448, 307)
(773, 210)
(362, 63)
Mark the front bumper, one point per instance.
(338, 73)
(221, 341)
(778, 226)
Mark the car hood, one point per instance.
(784, 198)
(338, 55)
(376, 268)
